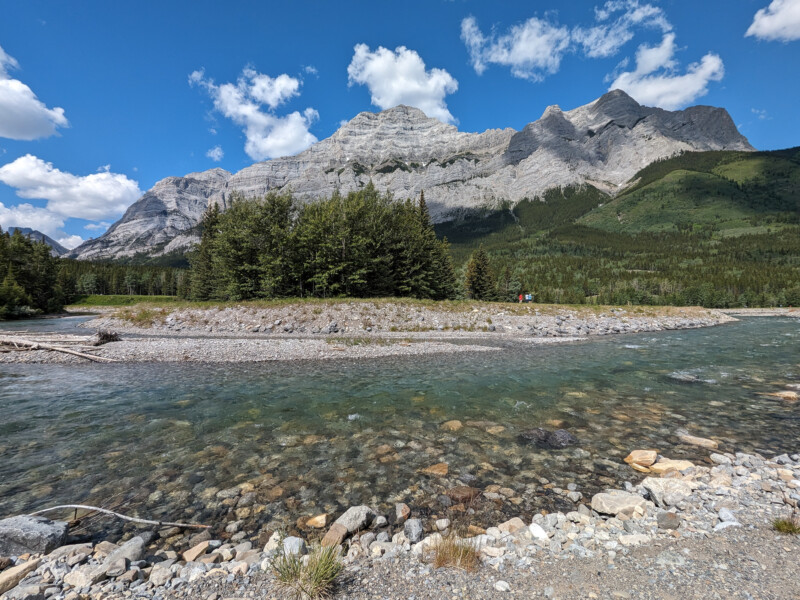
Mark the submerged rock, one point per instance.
(560, 438)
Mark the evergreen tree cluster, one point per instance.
(364, 244)
(28, 277)
(82, 278)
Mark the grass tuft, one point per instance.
(789, 526)
(451, 551)
(308, 578)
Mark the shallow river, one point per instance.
(158, 440)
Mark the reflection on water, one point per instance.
(161, 439)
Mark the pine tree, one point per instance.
(479, 279)
(203, 282)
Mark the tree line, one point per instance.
(28, 277)
(363, 244)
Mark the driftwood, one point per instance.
(36, 345)
(121, 516)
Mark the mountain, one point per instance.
(733, 192)
(604, 144)
(57, 249)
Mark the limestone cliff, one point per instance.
(604, 143)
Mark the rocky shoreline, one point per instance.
(723, 506)
(358, 329)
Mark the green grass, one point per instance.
(113, 300)
(311, 579)
(789, 526)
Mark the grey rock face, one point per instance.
(36, 535)
(160, 221)
(402, 151)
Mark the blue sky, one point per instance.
(99, 100)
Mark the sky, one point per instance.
(99, 100)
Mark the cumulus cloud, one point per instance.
(101, 195)
(778, 21)
(216, 153)
(609, 34)
(70, 241)
(532, 50)
(251, 103)
(400, 77)
(654, 81)
(102, 225)
(27, 215)
(22, 115)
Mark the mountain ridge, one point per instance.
(56, 248)
(603, 143)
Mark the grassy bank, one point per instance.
(121, 300)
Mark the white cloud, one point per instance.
(216, 153)
(761, 114)
(27, 215)
(70, 241)
(251, 104)
(311, 70)
(399, 77)
(532, 49)
(22, 115)
(655, 83)
(97, 226)
(606, 38)
(778, 21)
(97, 196)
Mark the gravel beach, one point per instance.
(363, 329)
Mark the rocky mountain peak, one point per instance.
(402, 151)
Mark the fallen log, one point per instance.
(120, 516)
(34, 345)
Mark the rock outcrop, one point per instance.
(604, 143)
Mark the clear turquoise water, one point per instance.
(153, 438)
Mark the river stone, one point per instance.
(668, 520)
(27, 592)
(667, 464)
(355, 518)
(537, 532)
(132, 550)
(402, 512)
(335, 535)
(161, 573)
(318, 522)
(85, 576)
(413, 530)
(616, 502)
(34, 535)
(452, 426)
(192, 554)
(686, 438)
(561, 438)
(11, 577)
(463, 494)
(667, 492)
(537, 435)
(439, 469)
(294, 546)
(643, 458)
(512, 525)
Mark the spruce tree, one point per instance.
(479, 279)
(202, 283)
